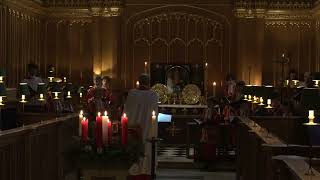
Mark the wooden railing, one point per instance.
(34, 152)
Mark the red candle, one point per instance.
(124, 129)
(109, 131)
(84, 130)
(99, 130)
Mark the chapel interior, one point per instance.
(159, 89)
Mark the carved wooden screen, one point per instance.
(177, 38)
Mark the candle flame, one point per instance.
(153, 113)
(214, 83)
(105, 113)
(99, 113)
(81, 112)
(145, 63)
(124, 115)
(206, 64)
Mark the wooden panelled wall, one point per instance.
(27, 37)
(177, 35)
(21, 42)
(68, 48)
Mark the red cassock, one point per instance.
(98, 99)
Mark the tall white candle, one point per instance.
(105, 120)
(154, 124)
(80, 119)
(311, 114)
(214, 85)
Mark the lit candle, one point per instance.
(154, 124)
(249, 98)
(50, 79)
(64, 79)
(1, 79)
(137, 84)
(316, 83)
(311, 116)
(84, 126)
(214, 84)
(261, 101)
(269, 103)
(295, 82)
(56, 95)
(124, 129)
(206, 64)
(80, 94)
(255, 99)
(99, 131)
(245, 97)
(69, 95)
(105, 120)
(80, 121)
(23, 98)
(1, 101)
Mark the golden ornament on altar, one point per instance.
(162, 92)
(191, 94)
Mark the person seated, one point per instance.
(97, 97)
(139, 106)
(32, 78)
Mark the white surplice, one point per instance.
(139, 107)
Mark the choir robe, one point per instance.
(138, 107)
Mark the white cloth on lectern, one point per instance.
(139, 107)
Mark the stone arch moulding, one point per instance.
(189, 35)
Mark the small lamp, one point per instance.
(24, 92)
(51, 78)
(80, 91)
(56, 90)
(3, 94)
(261, 101)
(68, 88)
(295, 82)
(255, 100)
(269, 104)
(316, 79)
(42, 90)
(2, 75)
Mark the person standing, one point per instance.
(139, 106)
